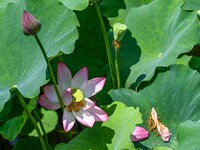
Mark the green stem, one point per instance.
(117, 68)
(51, 72)
(42, 127)
(21, 99)
(110, 62)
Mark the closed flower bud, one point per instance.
(30, 25)
(139, 134)
(119, 31)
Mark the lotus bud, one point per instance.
(30, 25)
(119, 31)
(139, 134)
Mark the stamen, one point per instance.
(76, 106)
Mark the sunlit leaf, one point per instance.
(188, 135)
(164, 40)
(22, 63)
(120, 12)
(191, 5)
(75, 4)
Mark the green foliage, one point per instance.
(109, 8)
(158, 61)
(49, 120)
(118, 13)
(75, 4)
(167, 32)
(11, 127)
(21, 61)
(191, 5)
(188, 135)
(175, 101)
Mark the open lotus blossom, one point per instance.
(155, 125)
(75, 93)
(139, 134)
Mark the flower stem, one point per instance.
(117, 68)
(42, 127)
(21, 99)
(51, 72)
(110, 62)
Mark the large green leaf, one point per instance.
(75, 4)
(10, 128)
(174, 94)
(188, 135)
(118, 13)
(191, 5)
(21, 62)
(113, 134)
(59, 32)
(163, 31)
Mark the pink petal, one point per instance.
(67, 97)
(88, 104)
(68, 120)
(154, 114)
(98, 114)
(139, 134)
(50, 92)
(93, 86)
(45, 102)
(84, 117)
(64, 76)
(163, 132)
(80, 78)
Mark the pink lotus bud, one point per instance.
(30, 25)
(139, 134)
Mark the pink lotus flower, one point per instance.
(30, 25)
(139, 134)
(75, 93)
